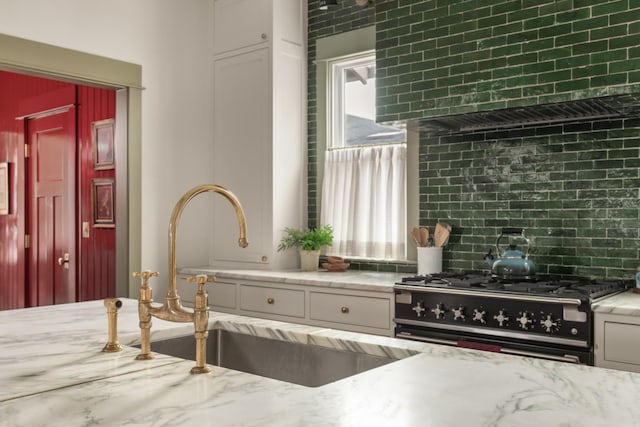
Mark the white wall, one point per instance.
(171, 40)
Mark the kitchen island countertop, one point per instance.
(54, 374)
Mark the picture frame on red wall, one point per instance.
(4, 188)
(102, 201)
(103, 144)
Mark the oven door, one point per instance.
(497, 345)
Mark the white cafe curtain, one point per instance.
(364, 200)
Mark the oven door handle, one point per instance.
(409, 336)
(565, 358)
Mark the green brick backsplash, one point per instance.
(479, 55)
(574, 187)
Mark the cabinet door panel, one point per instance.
(240, 23)
(622, 342)
(222, 295)
(349, 309)
(242, 153)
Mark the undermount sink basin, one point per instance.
(304, 364)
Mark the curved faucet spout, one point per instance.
(172, 295)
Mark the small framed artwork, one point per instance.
(102, 135)
(4, 188)
(103, 203)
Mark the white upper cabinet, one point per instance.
(259, 128)
(244, 23)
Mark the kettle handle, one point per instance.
(512, 231)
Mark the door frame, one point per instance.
(48, 61)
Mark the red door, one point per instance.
(51, 208)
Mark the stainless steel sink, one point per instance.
(304, 364)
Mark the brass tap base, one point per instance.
(148, 356)
(112, 348)
(200, 370)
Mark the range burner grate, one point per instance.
(484, 282)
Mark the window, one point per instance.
(353, 105)
(364, 182)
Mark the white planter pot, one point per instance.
(309, 260)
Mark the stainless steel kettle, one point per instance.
(511, 264)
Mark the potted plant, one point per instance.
(309, 241)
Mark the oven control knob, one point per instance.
(419, 309)
(524, 321)
(458, 313)
(478, 315)
(550, 325)
(502, 318)
(439, 311)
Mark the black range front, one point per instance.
(528, 320)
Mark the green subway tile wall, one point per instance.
(574, 187)
(440, 57)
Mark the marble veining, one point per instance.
(53, 374)
(350, 279)
(626, 303)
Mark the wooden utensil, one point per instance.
(448, 233)
(441, 236)
(424, 237)
(415, 235)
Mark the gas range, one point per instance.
(543, 318)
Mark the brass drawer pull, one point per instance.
(270, 300)
(344, 310)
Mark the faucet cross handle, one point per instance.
(201, 279)
(145, 276)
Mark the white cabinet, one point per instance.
(270, 300)
(617, 341)
(222, 295)
(336, 308)
(240, 23)
(350, 310)
(259, 128)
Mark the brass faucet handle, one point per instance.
(145, 276)
(201, 279)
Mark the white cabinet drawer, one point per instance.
(285, 302)
(350, 309)
(222, 294)
(621, 342)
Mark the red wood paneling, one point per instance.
(97, 253)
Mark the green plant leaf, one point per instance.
(308, 239)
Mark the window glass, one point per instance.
(353, 105)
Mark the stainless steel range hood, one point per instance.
(617, 106)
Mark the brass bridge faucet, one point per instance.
(172, 310)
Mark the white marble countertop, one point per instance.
(350, 279)
(53, 374)
(625, 303)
